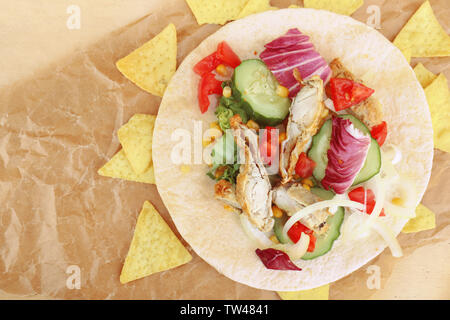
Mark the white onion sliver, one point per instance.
(253, 233)
(386, 233)
(398, 211)
(319, 206)
(297, 250)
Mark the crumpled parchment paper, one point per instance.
(58, 125)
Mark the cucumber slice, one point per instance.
(278, 230)
(255, 85)
(322, 193)
(324, 242)
(321, 144)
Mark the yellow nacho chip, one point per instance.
(154, 247)
(346, 7)
(424, 75)
(438, 97)
(407, 53)
(215, 11)
(424, 35)
(424, 220)
(119, 167)
(319, 293)
(255, 6)
(136, 139)
(152, 65)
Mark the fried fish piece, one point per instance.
(253, 188)
(294, 197)
(306, 115)
(226, 192)
(370, 111)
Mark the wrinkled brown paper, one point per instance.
(58, 126)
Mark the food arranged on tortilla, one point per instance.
(322, 128)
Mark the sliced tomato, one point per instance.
(207, 64)
(346, 93)
(366, 197)
(227, 55)
(269, 145)
(305, 166)
(208, 85)
(379, 133)
(295, 233)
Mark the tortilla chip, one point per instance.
(438, 98)
(407, 53)
(119, 167)
(154, 247)
(215, 11)
(152, 65)
(319, 293)
(424, 220)
(255, 6)
(424, 35)
(424, 75)
(346, 7)
(136, 139)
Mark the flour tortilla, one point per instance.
(215, 233)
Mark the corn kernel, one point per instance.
(252, 125)
(222, 70)
(185, 169)
(308, 182)
(306, 186)
(228, 208)
(206, 142)
(281, 137)
(282, 91)
(398, 201)
(277, 213)
(274, 239)
(215, 125)
(226, 92)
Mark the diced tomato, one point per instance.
(227, 55)
(207, 64)
(379, 133)
(295, 233)
(346, 93)
(305, 166)
(223, 55)
(269, 145)
(365, 197)
(208, 85)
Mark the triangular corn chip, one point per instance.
(424, 35)
(346, 7)
(119, 167)
(255, 6)
(152, 65)
(424, 75)
(136, 139)
(319, 293)
(154, 247)
(438, 98)
(424, 220)
(215, 11)
(407, 53)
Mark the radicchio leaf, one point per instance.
(290, 51)
(346, 156)
(276, 259)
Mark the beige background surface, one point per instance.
(54, 75)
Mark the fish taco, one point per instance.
(318, 147)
